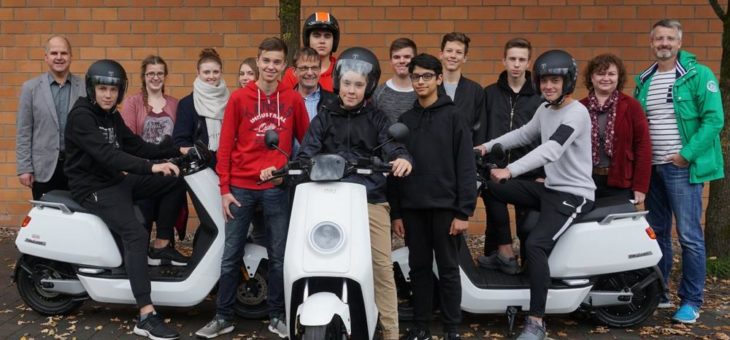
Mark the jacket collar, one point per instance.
(680, 69)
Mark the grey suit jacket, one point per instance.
(38, 136)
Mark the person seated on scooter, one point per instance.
(260, 106)
(108, 169)
(563, 126)
(352, 128)
(431, 207)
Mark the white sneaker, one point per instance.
(278, 327)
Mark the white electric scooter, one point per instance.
(328, 277)
(605, 263)
(69, 254)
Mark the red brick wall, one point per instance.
(128, 30)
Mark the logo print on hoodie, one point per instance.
(110, 135)
(269, 115)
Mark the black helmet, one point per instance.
(321, 21)
(105, 72)
(360, 60)
(556, 63)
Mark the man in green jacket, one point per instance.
(682, 102)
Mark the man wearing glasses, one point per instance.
(307, 66)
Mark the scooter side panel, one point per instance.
(199, 283)
(496, 301)
(589, 249)
(77, 238)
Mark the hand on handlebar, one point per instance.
(500, 175)
(166, 169)
(401, 167)
(481, 148)
(267, 174)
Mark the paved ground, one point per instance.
(106, 321)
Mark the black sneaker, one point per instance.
(417, 334)
(533, 330)
(166, 256)
(498, 262)
(154, 327)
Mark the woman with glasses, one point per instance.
(200, 114)
(151, 115)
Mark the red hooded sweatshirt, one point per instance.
(242, 153)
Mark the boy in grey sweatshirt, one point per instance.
(564, 128)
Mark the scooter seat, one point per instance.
(606, 206)
(64, 197)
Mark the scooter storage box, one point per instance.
(65, 236)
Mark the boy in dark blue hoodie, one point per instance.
(431, 207)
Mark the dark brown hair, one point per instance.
(518, 43)
(251, 62)
(151, 60)
(273, 44)
(601, 63)
(456, 36)
(209, 54)
(401, 43)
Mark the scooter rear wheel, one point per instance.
(643, 303)
(29, 272)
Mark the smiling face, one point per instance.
(307, 72)
(453, 55)
(106, 96)
(352, 89)
(665, 43)
(58, 56)
(551, 87)
(245, 75)
(399, 60)
(154, 77)
(270, 64)
(605, 81)
(210, 72)
(425, 82)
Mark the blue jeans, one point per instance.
(276, 220)
(670, 192)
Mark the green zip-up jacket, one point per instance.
(698, 107)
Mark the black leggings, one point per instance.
(557, 211)
(114, 205)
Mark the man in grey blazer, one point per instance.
(44, 105)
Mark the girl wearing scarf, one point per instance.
(200, 114)
(619, 132)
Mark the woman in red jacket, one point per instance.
(620, 132)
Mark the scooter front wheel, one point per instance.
(333, 331)
(644, 302)
(29, 272)
(252, 294)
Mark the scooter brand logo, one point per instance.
(329, 190)
(646, 253)
(38, 242)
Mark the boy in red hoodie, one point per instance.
(251, 111)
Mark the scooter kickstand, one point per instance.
(511, 314)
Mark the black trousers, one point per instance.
(557, 211)
(114, 205)
(427, 234)
(493, 236)
(57, 182)
(604, 190)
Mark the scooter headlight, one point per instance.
(327, 237)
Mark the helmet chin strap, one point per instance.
(556, 103)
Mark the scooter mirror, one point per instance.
(498, 152)
(398, 132)
(271, 138)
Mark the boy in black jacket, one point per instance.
(431, 207)
(108, 168)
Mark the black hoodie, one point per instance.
(469, 101)
(353, 134)
(507, 111)
(444, 172)
(100, 147)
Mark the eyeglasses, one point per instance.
(154, 74)
(310, 68)
(426, 76)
